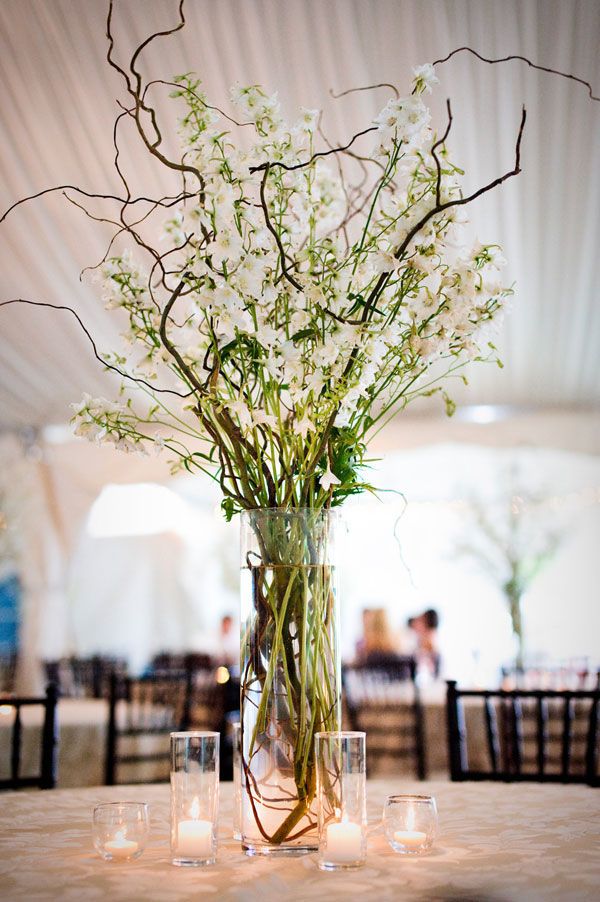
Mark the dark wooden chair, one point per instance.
(84, 677)
(561, 720)
(141, 714)
(46, 778)
(190, 661)
(214, 702)
(382, 699)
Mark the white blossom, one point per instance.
(328, 479)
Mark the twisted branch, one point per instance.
(109, 366)
(523, 59)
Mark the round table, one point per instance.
(496, 842)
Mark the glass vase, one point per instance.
(290, 673)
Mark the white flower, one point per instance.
(304, 425)
(425, 78)
(383, 262)
(226, 246)
(240, 409)
(328, 479)
(262, 418)
(327, 353)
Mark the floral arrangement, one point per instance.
(295, 308)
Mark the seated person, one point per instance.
(425, 627)
(378, 645)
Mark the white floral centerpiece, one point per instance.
(296, 313)
(292, 313)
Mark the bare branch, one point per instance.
(183, 366)
(274, 232)
(173, 199)
(523, 59)
(109, 366)
(315, 156)
(437, 144)
(382, 84)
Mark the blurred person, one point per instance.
(228, 645)
(425, 628)
(378, 643)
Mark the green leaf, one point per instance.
(303, 333)
(228, 508)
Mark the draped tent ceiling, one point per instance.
(58, 109)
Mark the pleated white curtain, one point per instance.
(59, 105)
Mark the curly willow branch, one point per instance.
(522, 59)
(109, 366)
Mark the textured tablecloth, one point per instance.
(496, 843)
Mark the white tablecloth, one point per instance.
(497, 843)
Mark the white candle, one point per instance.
(194, 839)
(410, 839)
(119, 847)
(343, 842)
(194, 836)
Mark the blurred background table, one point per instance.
(500, 842)
(82, 732)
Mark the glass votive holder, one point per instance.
(410, 823)
(194, 798)
(237, 780)
(341, 800)
(120, 830)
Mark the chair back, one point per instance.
(190, 661)
(215, 703)
(141, 714)
(531, 734)
(382, 697)
(47, 775)
(84, 677)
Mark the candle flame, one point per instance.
(195, 809)
(120, 836)
(410, 818)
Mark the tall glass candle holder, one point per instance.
(237, 780)
(194, 798)
(341, 797)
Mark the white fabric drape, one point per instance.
(58, 109)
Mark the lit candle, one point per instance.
(410, 839)
(195, 837)
(343, 842)
(119, 847)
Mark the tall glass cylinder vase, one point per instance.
(290, 676)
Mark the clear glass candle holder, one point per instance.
(237, 780)
(341, 800)
(410, 823)
(120, 830)
(194, 798)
